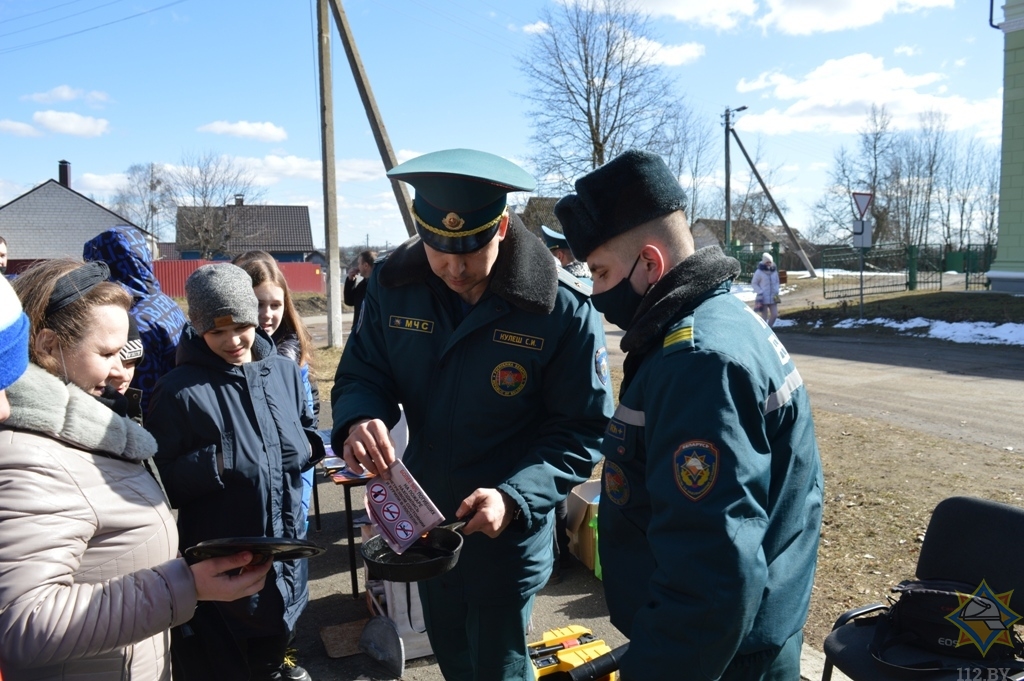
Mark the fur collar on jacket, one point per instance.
(680, 289)
(44, 404)
(524, 275)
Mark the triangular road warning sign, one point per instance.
(863, 201)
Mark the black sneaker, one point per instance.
(290, 670)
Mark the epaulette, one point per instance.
(574, 283)
(679, 336)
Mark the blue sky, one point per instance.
(105, 84)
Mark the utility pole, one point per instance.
(387, 154)
(323, 24)
(792, 236)
(728, 177)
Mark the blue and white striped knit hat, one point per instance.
(13, 336)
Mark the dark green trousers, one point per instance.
(475, 641)
(780, 665)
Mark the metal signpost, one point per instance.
(862, 236)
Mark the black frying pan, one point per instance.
(431, 556)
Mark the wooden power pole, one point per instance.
(323, 24)
(387, 154)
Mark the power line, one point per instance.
(39, 11)
(26, 46)
(69, 16)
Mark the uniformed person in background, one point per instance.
(711, 501)
(559, 247)
(500, 365)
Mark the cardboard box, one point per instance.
(581, 517)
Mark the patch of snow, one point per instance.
(983, 333)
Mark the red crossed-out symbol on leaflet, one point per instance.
(391, 512)
(378, 493)
(403, 529)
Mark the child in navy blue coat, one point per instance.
(229, 421)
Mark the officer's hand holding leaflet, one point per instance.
(369, 447)
(490, 512)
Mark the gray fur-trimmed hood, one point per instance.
(42, 403)
(524, 275)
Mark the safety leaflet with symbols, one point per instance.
(400, 508)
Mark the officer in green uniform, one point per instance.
(711, 501)
(559, 247)
(500, 365)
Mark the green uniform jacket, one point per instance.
(711, 504)
(515, 397)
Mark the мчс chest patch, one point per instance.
(695, 468)
(508, 379)
(410, 324)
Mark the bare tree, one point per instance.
(214, 196)
(145, 198)
(987, 204)
(595, 88)
(915, 167)
(691, 153)
(958, 192)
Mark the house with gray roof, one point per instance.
(223, 232)
(52, 220)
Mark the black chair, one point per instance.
(967, 540)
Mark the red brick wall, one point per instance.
(302, 277)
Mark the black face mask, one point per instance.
(619, 303)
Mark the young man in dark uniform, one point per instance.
(559, 248)
(711, 503)
(500, 365)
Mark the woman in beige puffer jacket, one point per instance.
(89, 579)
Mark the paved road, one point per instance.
(956, 391)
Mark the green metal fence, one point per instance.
(885, 270)
(894, 267)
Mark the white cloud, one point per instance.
(907, 50)
(68, 123)
(960, 63)
(404, 155)
(718, 14)
(18, 129)
(790, 167)
(66, 93)
(536, 27)
(271, 169)
(835, 97)
(803, 17)
(671, 55)
(820, 165)
(90, 183)
(264, 132)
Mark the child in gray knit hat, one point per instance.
(231, 423)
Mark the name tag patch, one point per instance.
(522, 340)
(409, 324)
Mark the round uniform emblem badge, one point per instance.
(601, 364)
(616, 486)
(508, 379)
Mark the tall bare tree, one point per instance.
(214, 196)
(145, 198)
(691, 152)
(987, 206)
(595, 87)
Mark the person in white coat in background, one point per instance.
(766, 285)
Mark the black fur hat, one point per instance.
(631, 189)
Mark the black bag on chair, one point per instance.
(918, 619)
(203, 649)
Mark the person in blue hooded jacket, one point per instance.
(711, 500)
(158, 317)
(500, 365)
(230, 424)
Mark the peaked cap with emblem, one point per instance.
(460, 196)
(631, 189)
(552, 239)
